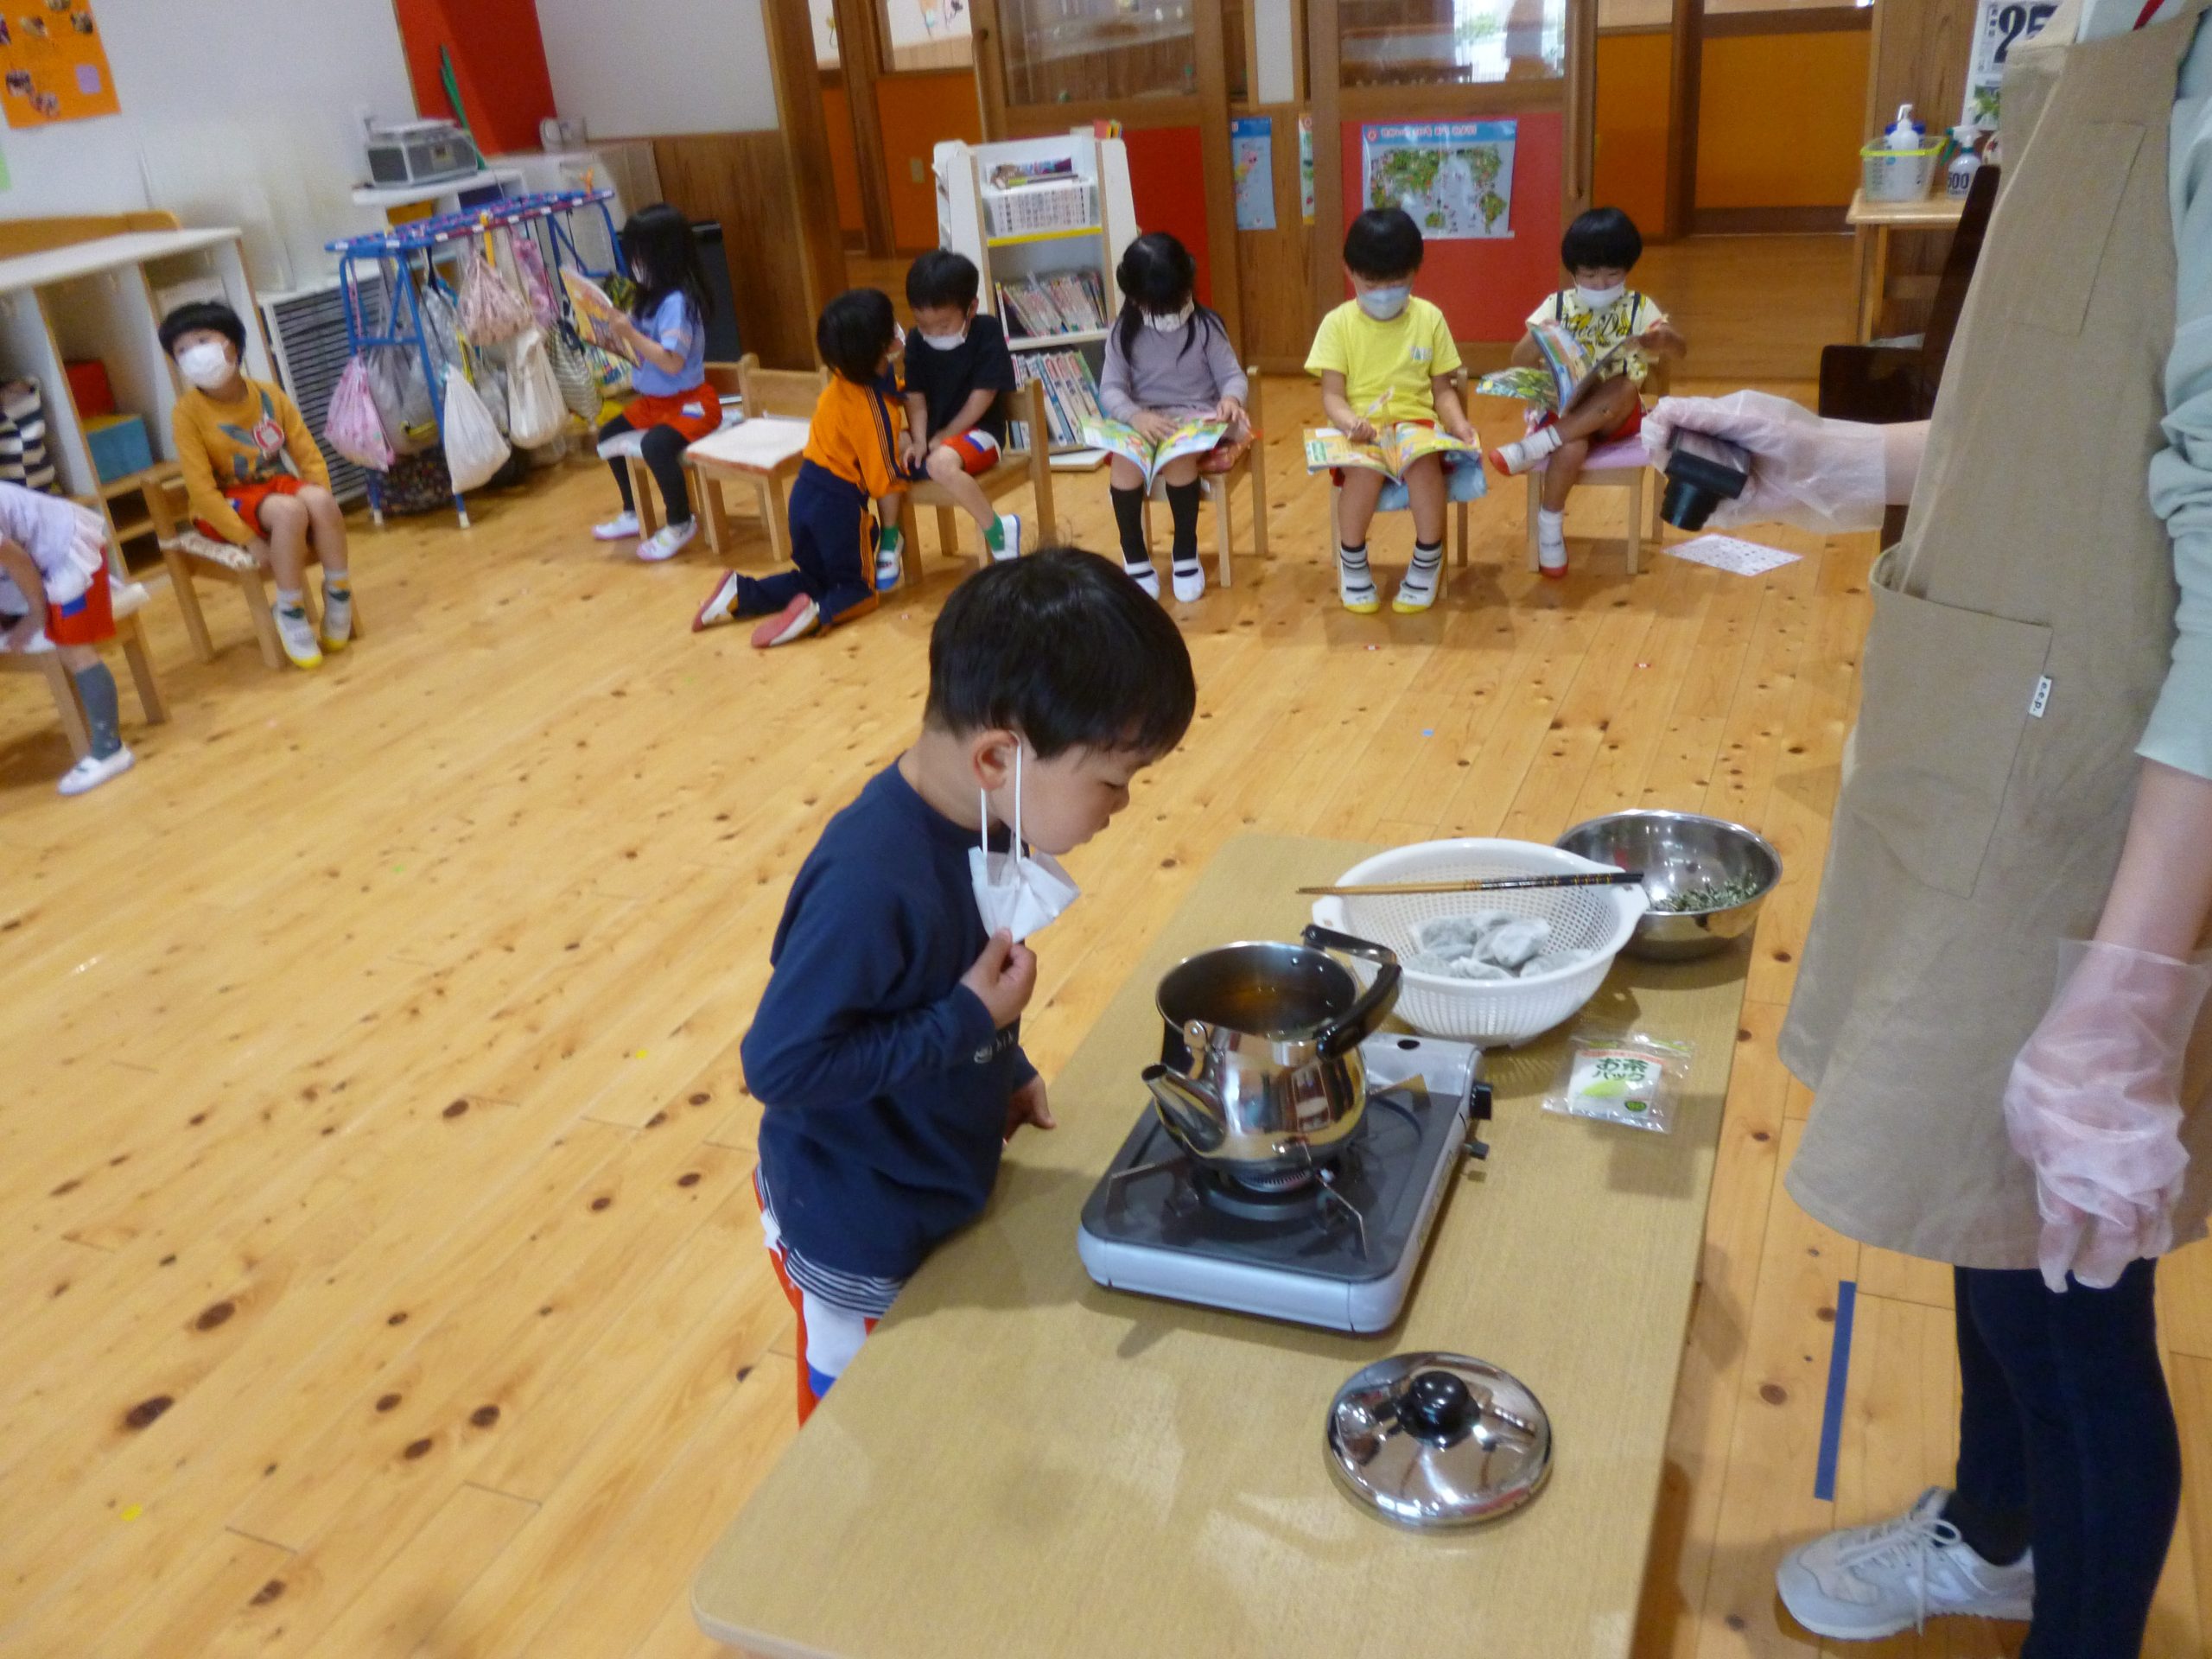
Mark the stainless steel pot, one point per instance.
(1260, 1070)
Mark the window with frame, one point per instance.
(1451, 43)
(1087, 51)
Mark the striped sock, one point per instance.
(1355, 587)
(1418, 591)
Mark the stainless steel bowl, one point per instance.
(1676, 851)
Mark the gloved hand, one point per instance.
(2093, 1104)
(1822, 475)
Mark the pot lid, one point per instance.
(1439, 1439)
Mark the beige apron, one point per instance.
(2022, 630)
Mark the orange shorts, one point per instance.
(87, 619)
(246, 500)
(695, 413)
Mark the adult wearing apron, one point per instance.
(2031, 770)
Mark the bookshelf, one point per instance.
(1070, 222)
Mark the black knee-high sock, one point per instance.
(96, 687)
(1129, 514)
(619, 468)
(1183, 505)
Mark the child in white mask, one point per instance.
(956, 364)
(886, 1053)
(1599, 250)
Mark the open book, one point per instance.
(1118, 437)
(1570, 370)
(1397, 448)
(594, 313)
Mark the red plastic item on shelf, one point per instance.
(89, 387)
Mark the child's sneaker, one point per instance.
(1515, 458)
(94, 769)
(1008, 546)
(890, 569)
(799, 618)
(1145, 577)
(1189, 581)
(619, 528)
(667, 542)
(720, 606)
(296, 634)
(1417, 590)
(337, 617)
(1551, 542)
(1355, 587)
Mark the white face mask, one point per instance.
(1171, 322)
(1016, 892)
(1384, 303)
(206, 365)
(943, 342)
(1597, 299)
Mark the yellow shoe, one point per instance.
(1355, 587)
(296, 634)
(1367, 606)
(337, 629)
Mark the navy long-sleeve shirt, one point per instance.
(882, 1083)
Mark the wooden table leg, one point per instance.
(151, 704)
(778, 514)
(59, 681)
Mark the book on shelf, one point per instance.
(1071, 396)
(1397, 447)
(1570, 369)
(1193, 437)
(1007, 176)
(1054, 302)
(1057, 204)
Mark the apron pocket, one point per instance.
(1945, 699)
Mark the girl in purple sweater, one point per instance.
(1168, 360)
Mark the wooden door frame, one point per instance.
(860, 61)
(1685, 79)
(821, 243)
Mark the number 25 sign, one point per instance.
(1999, 25)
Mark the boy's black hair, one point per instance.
(1604, 239)
(943, 278)
(856, 329)
(1383, 243)
(663, 255)
(1157, 275)
(203, 313)
(1063, 648)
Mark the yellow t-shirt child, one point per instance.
(1631, 314)
(1398, 357)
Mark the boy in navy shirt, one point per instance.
(956, 365)
(886, 1052)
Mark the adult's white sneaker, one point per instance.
(1865, 1583)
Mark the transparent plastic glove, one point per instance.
(2093, 1104)
(1822, 475)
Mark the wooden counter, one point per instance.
(1020, 1464)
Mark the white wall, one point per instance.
(647, 68)
(242, 112)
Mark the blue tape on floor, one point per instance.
(1846, 1298)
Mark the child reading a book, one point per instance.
(666, 334)
(1386, 360)
(1168, 362)
(1600, 312)
(956, 365)
(255, 478)
(848, 472)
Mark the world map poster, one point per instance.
(1454, 177)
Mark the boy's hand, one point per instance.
(1152, 426)
(1026, 1105)
(1463, 429)
(259, 548)
(1002, 978)
(912, 450)
(1360, 431)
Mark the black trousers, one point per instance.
(663, 448)
(2066, 1434)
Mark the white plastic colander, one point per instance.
(1500, 1013)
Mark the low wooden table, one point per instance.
(763, 451)
(1873, 221)
(1021, 1463)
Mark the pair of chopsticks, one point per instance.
(1490, 884)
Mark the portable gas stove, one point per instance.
(1335, 1247)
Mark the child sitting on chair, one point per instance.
(1599, 250)
(1168, 360)
(956, 365)
(53, 591)
(1385, 356)
(254, 476)
(674, 406)
(850, 464)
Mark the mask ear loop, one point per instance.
(983, 801)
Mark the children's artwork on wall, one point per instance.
(1306, 169)
(53, 64)
(1454, 177)
(1999, 26)
(917, 23)
(1252, 164)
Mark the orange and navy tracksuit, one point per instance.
(851, 459)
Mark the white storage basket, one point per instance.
(1498, 1013)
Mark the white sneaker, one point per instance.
(1869, 1582)
(337, 617)
(94, 769)
(619, 528)
(1551, 555)
(1515, 458)
(797, 620)
(1010, 529)
(890, 569)
(667, 542)
(1190, 582)
(1145, 577)
(720, 606)
(296, 634)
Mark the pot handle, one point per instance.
(1353, 1026)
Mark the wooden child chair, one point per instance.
(1455, 530)
(723, 380)
(1623, 466)
(189, 553)
(1252, 466)
(130, 634)
(787, 394)
(1016, 467)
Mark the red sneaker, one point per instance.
(797, 620)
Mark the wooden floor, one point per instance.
(383, 1278)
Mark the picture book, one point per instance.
(1570, 370)
(1397, 448)
(594, 313)
(1117, 437)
